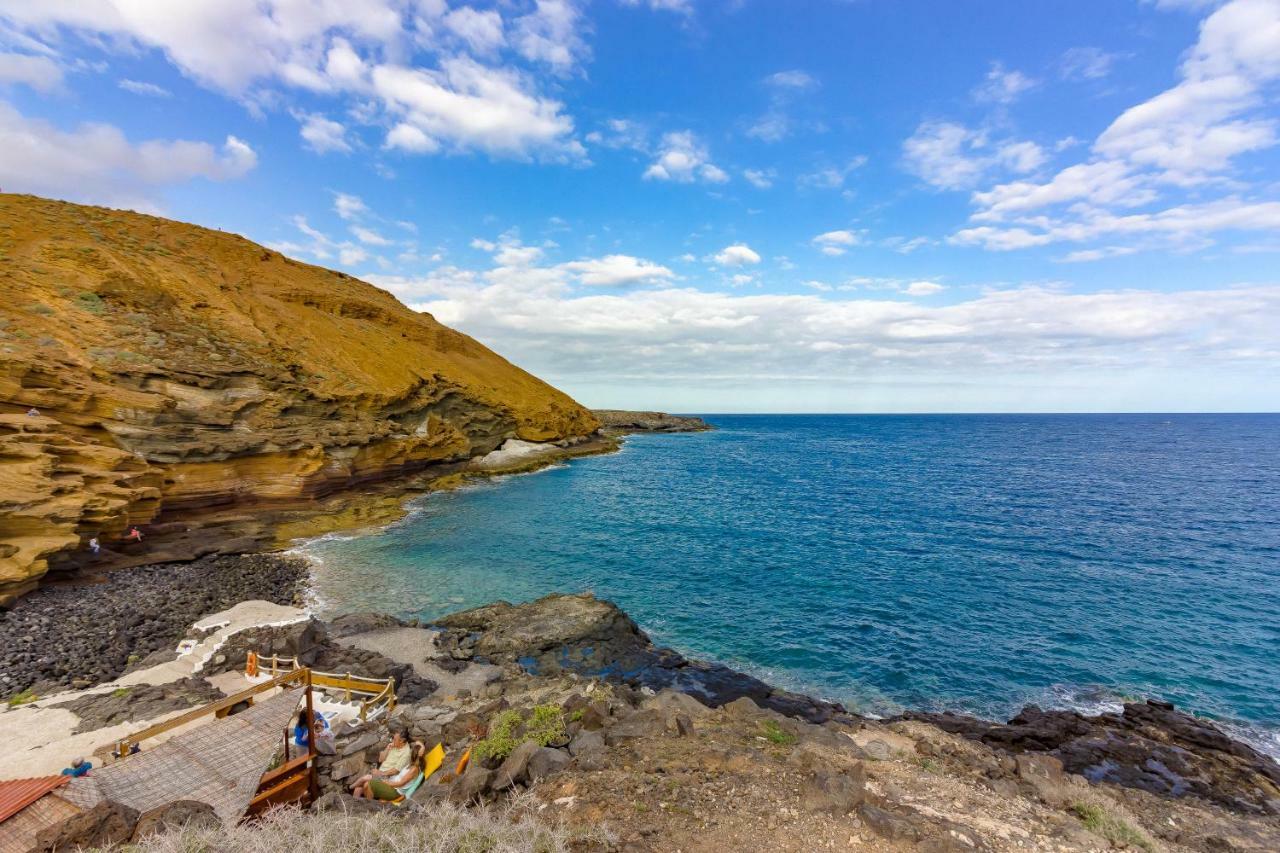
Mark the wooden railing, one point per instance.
(298, 677)
(380, 691)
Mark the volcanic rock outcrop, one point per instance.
(187, 379)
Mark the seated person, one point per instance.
(79, 767)
(302, 732)
(402, 785)
(391, 761)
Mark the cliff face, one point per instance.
(181, 374)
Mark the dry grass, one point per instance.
(430, 828)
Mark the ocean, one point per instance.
(974, 563)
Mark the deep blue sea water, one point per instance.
(966, 562)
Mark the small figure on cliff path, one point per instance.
(33, 412)
(135, 534)
(94, 546)
(79, 767)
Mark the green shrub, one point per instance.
(1115, 829)
(21, 698)
(501, 740)
(91, 302)
(774, 733)
(546, 726)
(509, 729)
(41, 309)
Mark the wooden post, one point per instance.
(347, 695)
(313, 783)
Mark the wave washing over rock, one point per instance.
(211, 390)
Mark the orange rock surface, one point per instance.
(181, 372)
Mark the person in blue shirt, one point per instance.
(79, 767)
(302, 731)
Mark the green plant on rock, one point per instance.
(21, 698)
(509, 729)
(501, 740)
(546, 726)
(774, 733)
(1115, 829)
(91, 302)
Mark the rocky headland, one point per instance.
(610, 742)
(617, 421)
(219, 395)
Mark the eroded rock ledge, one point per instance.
(208, 389)
(619, 421)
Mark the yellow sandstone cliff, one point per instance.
(192, 382)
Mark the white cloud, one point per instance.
(252, 50)
(683, 158)
(923, 288)
(793, 79)
(39, 72)
(1002, 86)
(349, 255)
(369, 236)
(321, 134)
(951, 156)
(832, 177)
(737, 255)
(482, 31)
(617, 270)
(406, 137)
(551, 33)
(470, 106)
(1086, 63)
(97, 163)
(349, 206)
(1182, 226)
(141, 87)
(684, 338)
(1186, 136)
(771, 127)
(761, 179)
(1084, 255)
(683, 7)
(835, 243)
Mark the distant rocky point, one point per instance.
(619, 420)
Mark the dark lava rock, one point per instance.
(617, 421)
(1150, 746)
(142, 702)
(350, 624)
(302, 640)
(104, 825)
(588, 636)
(183, 813)
(60, 634)
(835, 793)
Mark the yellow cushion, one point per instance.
(432, 760)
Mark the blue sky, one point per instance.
(719, 206)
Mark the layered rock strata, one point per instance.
(162, 375)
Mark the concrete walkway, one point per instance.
(37, 739)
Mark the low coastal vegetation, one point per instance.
(544, 726)
(1098, 820)
(443, 828)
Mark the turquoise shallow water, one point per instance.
(965, 562)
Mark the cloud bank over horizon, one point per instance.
(1033, 217)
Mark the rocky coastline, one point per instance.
(636, 714)
(619, 422)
